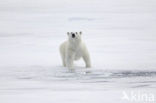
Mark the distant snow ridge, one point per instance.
(80, 19)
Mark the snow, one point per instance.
(120, 35)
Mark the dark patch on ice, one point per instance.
(25, 78)
(101, 81)
(141, 86)
(145, 82)
(122, 74)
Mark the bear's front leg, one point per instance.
(69, 60)
(87, 61)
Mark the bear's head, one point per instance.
(74, 36)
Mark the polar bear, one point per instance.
(73, 49)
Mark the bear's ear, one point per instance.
(80, 32)
(68, 33)
(76, 33)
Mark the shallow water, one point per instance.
(106, 79)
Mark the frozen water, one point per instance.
(120, 35)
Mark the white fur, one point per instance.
(74, 49)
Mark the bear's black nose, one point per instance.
(73, 35)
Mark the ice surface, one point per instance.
(120, 35)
